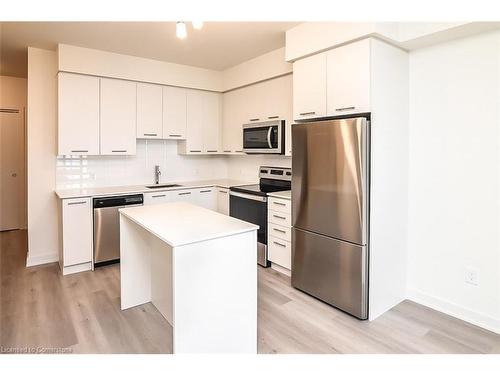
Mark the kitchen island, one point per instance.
(198, 268)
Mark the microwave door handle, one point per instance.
(269, 137)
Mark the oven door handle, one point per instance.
(269, 137)
(248, 196)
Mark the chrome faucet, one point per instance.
(157, 174)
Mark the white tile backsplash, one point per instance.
(99, 171)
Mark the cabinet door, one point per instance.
(234, 116)
(77, 231)
(223, 201)
(183, 196)
(309, 87)
(78, 114)
(211, 122)
(348, 78)
(194, 127)
(156, 197)
(206, 197)
(149, 111)
(118, 117)
(174, 113)
(228, 119)
(278, 94)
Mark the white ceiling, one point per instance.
(218, 45)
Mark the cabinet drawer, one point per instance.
(279, 231)
(280, 218)
(280, 252)
(280, 205)
(156, 197)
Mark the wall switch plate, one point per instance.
(472, 276)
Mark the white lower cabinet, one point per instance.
(183, 196)
(279, 240)
(223, 201)
(156, 197)
(77, 235)
(206, 197)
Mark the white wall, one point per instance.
(107, 64)
(454, 178)
(97, 171)
(267, 66)
(13, 94)
(246, 167)
(41, 128)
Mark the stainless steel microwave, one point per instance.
(266, 137)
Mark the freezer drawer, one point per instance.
(334, 271)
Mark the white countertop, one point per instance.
(287, 194)
(135, 189)
(181, 223)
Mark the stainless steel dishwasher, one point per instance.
(107, 226)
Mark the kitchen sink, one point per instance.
(162, 186)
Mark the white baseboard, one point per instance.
(41, 259)
(484, 321)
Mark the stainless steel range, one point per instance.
(249, 203)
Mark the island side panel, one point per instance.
(215, 295)
(135, 264)
(161, 278)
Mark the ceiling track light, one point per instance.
(181, 30)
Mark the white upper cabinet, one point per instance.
(203, 123)
(194, 127)
(149, 111)
(174, 113)
(348, 79)
(264, 101)
(118, 117)
(78, 114)
(211, 122)
(233, 117)
(309, 87)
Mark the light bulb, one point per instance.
(197, 25)
(180, 30)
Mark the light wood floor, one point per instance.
(40, 307)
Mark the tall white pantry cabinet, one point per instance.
(369, 76)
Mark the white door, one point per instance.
(194, 130)
(118, 117)
(174, 113)
(78, 114)
(211, 122)
(207, 198)
(309, 87)
(77, 231)
(223, 201)
(11, 138)
(149, 111)
(348, 78)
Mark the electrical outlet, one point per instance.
(472, 276)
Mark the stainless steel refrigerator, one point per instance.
(330, 211)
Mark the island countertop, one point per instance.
(180, 223)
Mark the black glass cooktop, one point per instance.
(263, 188)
